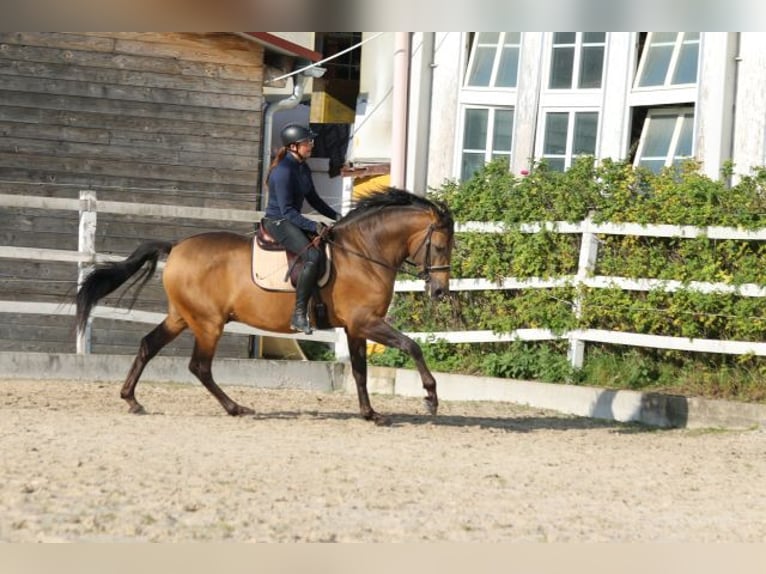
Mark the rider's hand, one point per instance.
(322, 229)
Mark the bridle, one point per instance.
(426, 268)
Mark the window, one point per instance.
(494, 60)
(345, 66)
(577, 60)
(487, 135)
(666, 138)
(669, 59)
(568, 134)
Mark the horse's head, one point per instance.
(431, 251)
(384, 219)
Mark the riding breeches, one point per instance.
(293, 238)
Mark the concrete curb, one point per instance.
(315, 376)
(653, 409)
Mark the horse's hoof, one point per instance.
(239, 411)
(137, 409)
(377, 418)
(381, 421)
(431, 406)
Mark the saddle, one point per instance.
(275, 268)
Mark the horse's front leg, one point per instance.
(382, 332)
(357, 347)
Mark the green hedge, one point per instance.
(610, 192)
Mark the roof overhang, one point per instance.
(279, 45)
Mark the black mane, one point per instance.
(394, 197)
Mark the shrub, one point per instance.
(607, 191)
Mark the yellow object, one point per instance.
(364, 186)
(326, 109)
(374, 348)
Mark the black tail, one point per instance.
(107, 277)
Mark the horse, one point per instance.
(207, 281)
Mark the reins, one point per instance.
(424, 273)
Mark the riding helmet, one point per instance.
(294, 133)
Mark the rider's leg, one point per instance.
(306, 281)
(294, 239)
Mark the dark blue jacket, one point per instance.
(290, 183)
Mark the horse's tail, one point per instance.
(107, 277)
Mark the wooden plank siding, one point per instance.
(158, 114)
(165, 118)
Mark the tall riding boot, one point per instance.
(300, 320)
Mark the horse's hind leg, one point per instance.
(151, 344)
(358, 352)
(201, 367)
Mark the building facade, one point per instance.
(654, 98)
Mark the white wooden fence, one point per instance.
(86, 256)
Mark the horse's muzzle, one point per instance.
(438, 291)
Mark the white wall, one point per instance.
(527, 101)
(419, 113)
(329, 188)
(730, 102)
(371, 141)
(448, 59)
(614, 136)
(714, 115)
(750, 101)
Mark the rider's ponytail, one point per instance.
(277, 158)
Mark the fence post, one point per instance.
(342, 354)
(585, 267)
(86, 245)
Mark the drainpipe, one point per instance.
(730, 180)
(299, 86)
(399, 109)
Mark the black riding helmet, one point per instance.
(294, 133)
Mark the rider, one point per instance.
(289, 183)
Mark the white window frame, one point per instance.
(671, 156)
(482, 97)
(571, 98)
(578, 45)
(679, 42)
(499, 46)
(568, 155)
(488, 151)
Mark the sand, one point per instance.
(77, 467)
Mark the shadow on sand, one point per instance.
(521, 424)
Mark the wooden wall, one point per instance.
(167, 118)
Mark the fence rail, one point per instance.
(86, 256)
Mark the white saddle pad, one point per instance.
(269, 269)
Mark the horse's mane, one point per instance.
(394, 197)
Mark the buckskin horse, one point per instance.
(208, 283)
